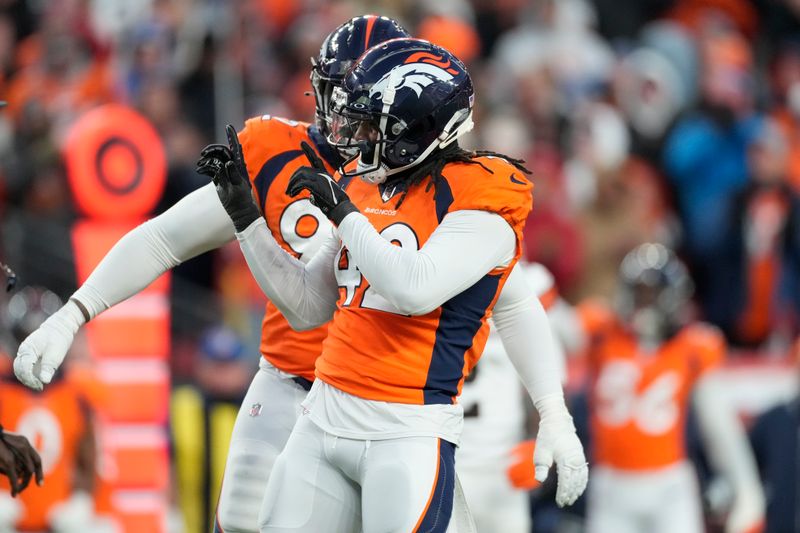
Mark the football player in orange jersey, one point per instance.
(198, 223)
(647, 363)
(19, 461)
(424, 250)
(59, 425)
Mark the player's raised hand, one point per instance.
(225, 165)
(237, 154)
(557, 442)
(313, 158)
(212, 159)
(43, 351)
(325, 192)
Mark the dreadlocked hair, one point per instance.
(452, 154)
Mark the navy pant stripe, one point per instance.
(440, 508)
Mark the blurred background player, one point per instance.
(198, 223)
(58, 423)
(19, 461)
(493, 463)
(648, 362)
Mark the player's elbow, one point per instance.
(412, 304)
(299, 323)
(308, 316)
(420, 310)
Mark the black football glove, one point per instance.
(212, 159)
(226, 167)
(325, 192)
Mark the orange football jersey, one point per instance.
(375, 352)
(54, 422)
(271, 148)
(639, 401)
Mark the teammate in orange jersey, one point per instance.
(647, 362)
(424, 251)
(58, 424)
(199, 223)
(19, 461)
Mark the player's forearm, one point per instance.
(465, 247)
(725, 439)
(194, 225)
(524, 328)
(305, 294)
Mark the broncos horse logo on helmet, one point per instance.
(416, 76)
(340, 49)
(399, 103)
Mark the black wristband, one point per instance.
(341, 210)
(82, 309)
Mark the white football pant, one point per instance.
(494, 503)
(655, 501)
(263, 425)
(324, 483)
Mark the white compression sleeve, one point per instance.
(524, 328)
(464, 247)
(196, 224)
(305, 294)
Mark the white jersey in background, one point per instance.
(494, 423)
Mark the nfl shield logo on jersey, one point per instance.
(255, 410)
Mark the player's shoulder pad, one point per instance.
(274, 133)
(539, 278)
(595, 316)
(705, 341)
(490, 184)
(705, 335)
(266, 136)
(269, 123)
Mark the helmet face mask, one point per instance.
(352, 131)
(323, 87)
(359, 136)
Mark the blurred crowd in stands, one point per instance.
(666, 120)
(676, 121)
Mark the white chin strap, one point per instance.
(381, 172)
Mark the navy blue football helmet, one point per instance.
(339, 51)
(401, 101)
